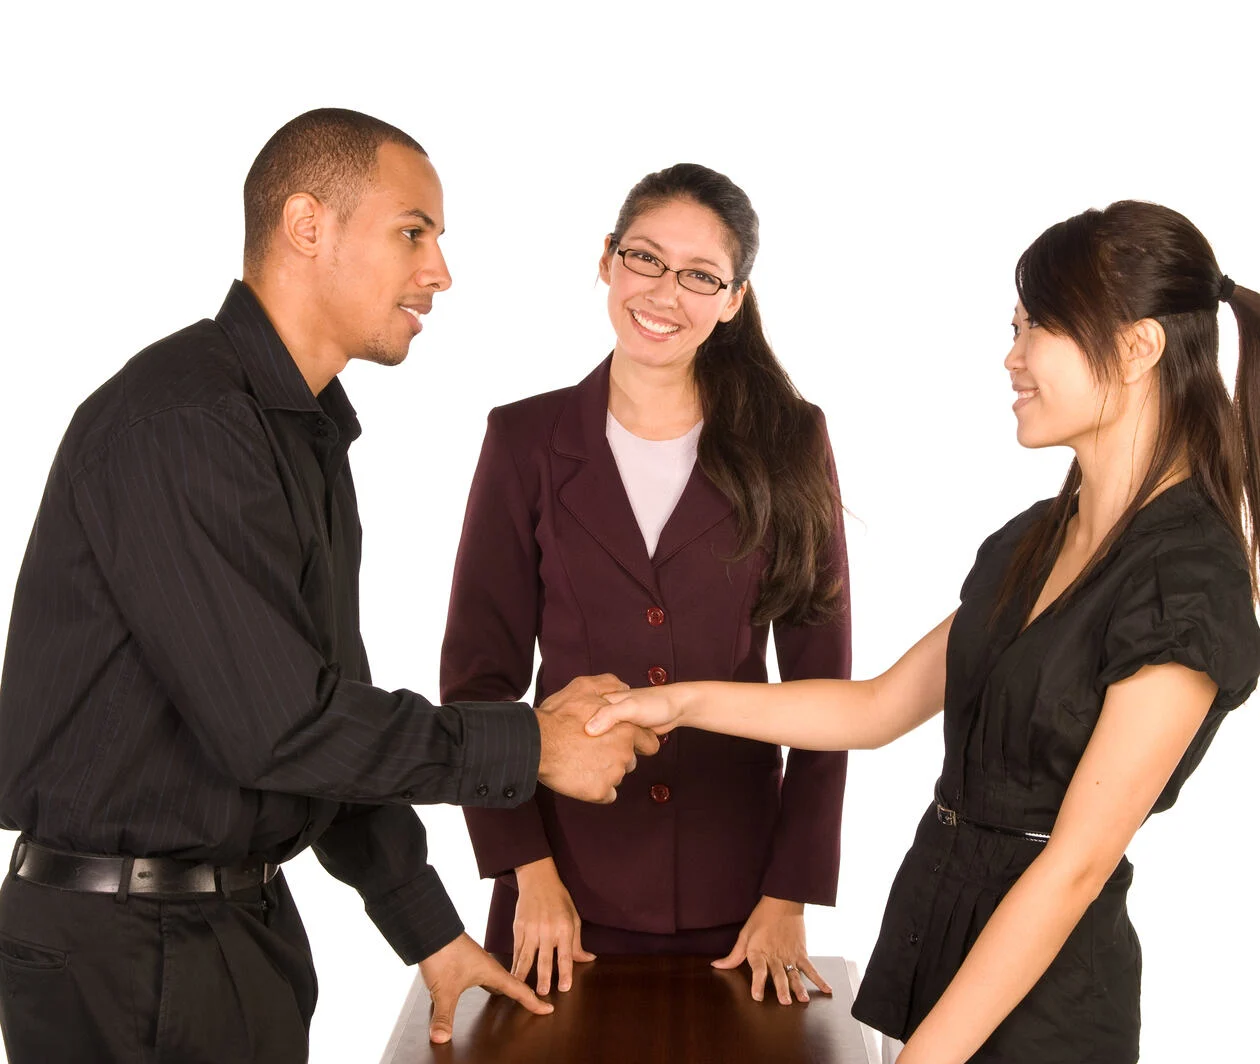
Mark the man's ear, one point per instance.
(303, 224)
(1141, 347)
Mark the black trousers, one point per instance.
(200, 979)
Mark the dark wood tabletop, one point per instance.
(640, 1010)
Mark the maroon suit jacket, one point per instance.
(551, 552)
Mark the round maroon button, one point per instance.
(659, 793)
(663, 739)
(657, 676)
(655, 616)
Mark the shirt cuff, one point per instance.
(501, 751)
(417, 919)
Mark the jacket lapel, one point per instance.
(594, 493)
(700, 508)
(596, 496)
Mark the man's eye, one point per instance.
(413, 234)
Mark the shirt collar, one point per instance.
(276, 381)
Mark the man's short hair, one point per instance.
(329, 153)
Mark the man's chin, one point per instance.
(383, 355)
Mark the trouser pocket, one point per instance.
(37, 994)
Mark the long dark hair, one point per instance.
(762, 444)
(1087, 279)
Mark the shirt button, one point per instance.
(655, 616)
(936, 867)
(408, 795)
(657, 676)
(509, 792)
(663, 739)
(659, 793)
(482, 790)
(914, 938)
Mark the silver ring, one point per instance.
(789, 967)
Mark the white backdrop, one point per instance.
(900, 158)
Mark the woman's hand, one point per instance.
(546, 923)
(659, 708)
(773, 943)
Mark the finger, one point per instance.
(736, 957)
(797, 985)
(758, 965)
(500, 982)
(615, 697)
(442, 1019)
(579, 952)
(645, 741)
(781, 989)
(807, 967)
(604, 719)
(606, 683)
(546, 948)
(631, 765)
(564, 962)
(525, 960)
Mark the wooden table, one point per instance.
(641, 1010)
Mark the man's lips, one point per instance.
(414, 310)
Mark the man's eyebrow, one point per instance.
(416, 212)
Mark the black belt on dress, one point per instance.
(98, 874)
(951, 818)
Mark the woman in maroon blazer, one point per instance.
(653, 522)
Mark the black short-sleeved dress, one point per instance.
(1019, 711)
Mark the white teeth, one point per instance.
(415, 314)
(652, 326)
(1027, 394)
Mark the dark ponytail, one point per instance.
(1245, 304)
(1090, 277)
(762, 444)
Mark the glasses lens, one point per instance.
(698, 281)
(642, 262)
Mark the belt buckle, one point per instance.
(946, 816)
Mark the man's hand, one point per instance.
(457, 966)
(580, 765)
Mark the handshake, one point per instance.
(581, 765)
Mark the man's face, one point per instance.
(385, 263)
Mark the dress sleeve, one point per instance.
(1193, 606)
(805, 855)
(491, 629)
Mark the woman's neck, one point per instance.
(653, 402)
(1113, 464)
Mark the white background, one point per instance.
(900, 158)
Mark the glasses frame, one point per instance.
(668, 269)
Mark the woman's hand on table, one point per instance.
(461, 964)
(773, 943)
(546, 926)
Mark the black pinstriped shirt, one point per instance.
(184, 673)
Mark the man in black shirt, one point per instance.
(185, 701)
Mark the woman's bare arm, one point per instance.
(807, 714)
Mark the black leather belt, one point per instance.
(120, 876)
(951, 818)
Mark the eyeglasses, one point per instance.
(646, 264)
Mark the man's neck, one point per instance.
(300, 329)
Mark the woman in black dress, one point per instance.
(1101, 638)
